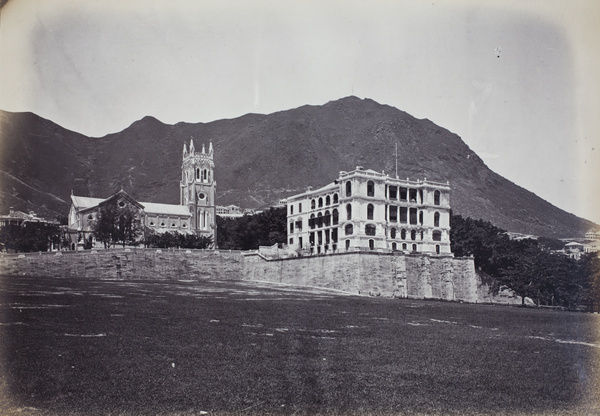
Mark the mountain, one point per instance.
(260, 159)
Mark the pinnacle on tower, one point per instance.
(203, 151)
(210, 148)
(184, 150)
(192, 146)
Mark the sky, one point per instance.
(517, 80)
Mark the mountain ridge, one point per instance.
(261, 158)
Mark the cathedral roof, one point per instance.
(83, 202)
(166, 209)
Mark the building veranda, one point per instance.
(370, 211)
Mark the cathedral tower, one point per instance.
(197, 189)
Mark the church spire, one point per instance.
(210, 148)
(192, 146)
(184, 150)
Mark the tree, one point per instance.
(116, 224)
(30, 236)
(251, 231)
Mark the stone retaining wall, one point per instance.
(376, 274)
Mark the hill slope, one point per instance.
(260, 159)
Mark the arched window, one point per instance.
(414, 247)
(348, 229)
(327, 200)
(312, 204)
(319, 220)
(393, 233)
(437, 236)
(371, 244)
(348, 188)
(311, 221)
(413, 235)
(370, 188)
(369, 229)
(320, 202)
(394, 246)
(349, 211)
(327, 219)
(403, 246)
(436, 197)
(197, 173)
(370, 209)
(347, 244)
(403, 234)
(336, 217)
(437, 249)
(335, 198)
(436, 219)
(205, 176)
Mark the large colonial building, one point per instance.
(196, 212)
(368, 210)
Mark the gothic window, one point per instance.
(413, 235)
(335, 217)
(205, 176)
(319, 220)
(394, 246)
(327, 200)
(403, 246)
(403, 234)
(198, 173)
(311, 221)
(348, 229)
(393, 233)
(369, 229)
(335, 198)
(312, 204)
(436, 197)
(349, 211)
(348, 188)
(327, 219)
(436, 219)
(370, 209)
(320, 202)
(437, 236)
(370, 188)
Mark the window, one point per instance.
(403, 215)
(370, 209)
(336, 217)
(299, 224)
(349, 229)
(393, 233)
(312, 204)
(414, 248)
(173, 225)
(151, 223)
(348, 188)
(300, 207)
(413, 195)
(184, 225)
(436, 219)
(291, 227)
(403, 234)
(403, 193)
(205, 176)
(370, 188)
(291, 241)
(413, 235)
(319, 220)
(334, 236)
(311, 221)
(437, 249)
(371, 244)
(349, 212)
(436, 197)
(327, 200)
(162, 224)
(197, 173)
(90, 217)
(403, 246)
(201, 196)
(121, 204)
(291, 209)
(420, 196)
(369, 229)
(347, 244)
(393, 213)
(393, 192)
(394, 246)
(300, 242)
(335, 198)
(437, 236)
(413, 216)
(320, 202)
(421, 217)
(327, 219)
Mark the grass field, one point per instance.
(151, 347)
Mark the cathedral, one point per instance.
(196, 212)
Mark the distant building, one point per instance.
(574, 250)
(368, 210)
(196, 212)
(233, 211)
(20, 218)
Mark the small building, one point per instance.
(15, 217)
(368, 210)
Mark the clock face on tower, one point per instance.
(201, 196)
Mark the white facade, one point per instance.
(368, 210)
